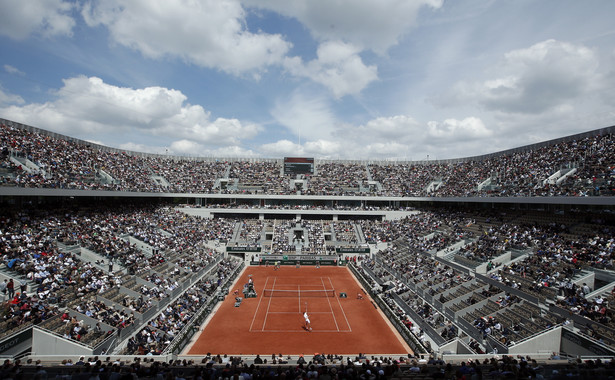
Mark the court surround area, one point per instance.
(273, 322)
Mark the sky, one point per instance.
(331, 79)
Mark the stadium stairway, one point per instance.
(368, 173)
(27, 165)
(559, 176)
(434, 186)
(89, 256)
(160, 181)
(142, 246)
(6, 273)
(105, 178)
(236, 232)
(359, 233)
(604, 291)
(449, 252)
(484, 184)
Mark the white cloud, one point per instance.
(136, 147)
(382, 130)
(368, 24)
(306, 116)
(20, 19)
(186, 147)
(209, 33)
(390, 149)
(282, 148)
(189, 148)
(542, 78)
(317, 148)
(380, 137)
(608, 83)
(230, 151)
(9, 98)
(338, 67)
(324, 148)
(469, 128)
(400, 137)
(13, 70)
(89, 104)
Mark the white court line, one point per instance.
(338, 301)
(258, 304)
(269, 304)
(303, 331)
(294, 312)
(328, 300)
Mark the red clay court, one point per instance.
(273, 322)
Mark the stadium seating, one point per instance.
(581, 165)
(499, 277)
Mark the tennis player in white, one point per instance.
(308, 326)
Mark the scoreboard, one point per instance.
(298, 165)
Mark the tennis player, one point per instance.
(308, 326)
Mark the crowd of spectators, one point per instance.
(51, 278)
(281, 241)
(337, 179)
(345, 231)
(263, 176)
(310, 237)
(249, 204)
(316, 236)
(361, 367)
(555, 250)
(28, 240)
(162, 329)
(112, 316)
(250, 232)
(575, 167)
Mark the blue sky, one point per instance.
(341, 79)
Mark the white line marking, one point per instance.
(338, 301)
(299, 294)
(303, 331)
(294, 312)
(268, 305)
(258, 304)
(328, 300)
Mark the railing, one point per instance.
(508, 289)
(412, 341)
(186, 333)
(109, 341)
(582, 321)
(471, 330)
(427, 328)
(76, 342)
(594, 344)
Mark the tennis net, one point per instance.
(298, 293)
